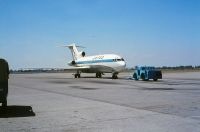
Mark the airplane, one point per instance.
(99, 64)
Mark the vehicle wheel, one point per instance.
(135, 76)
(4, 103)
(155, 79)
(143, 77)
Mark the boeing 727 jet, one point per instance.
(99, 64)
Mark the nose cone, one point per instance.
(121, 66)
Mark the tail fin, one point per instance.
(75, 53)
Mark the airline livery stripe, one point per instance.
(94, 61)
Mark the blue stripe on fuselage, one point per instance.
(94, 61)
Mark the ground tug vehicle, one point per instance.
(147, 72)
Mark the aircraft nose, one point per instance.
(124, 64)
(121, 66)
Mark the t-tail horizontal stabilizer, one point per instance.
(75, 53)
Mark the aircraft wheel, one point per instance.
(98, 75)
(114, 76)
(77, 76)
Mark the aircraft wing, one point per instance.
(73, 68)
(90, 69)
(102, 68)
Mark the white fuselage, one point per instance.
(106, 63)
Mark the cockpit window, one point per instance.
(118, 59)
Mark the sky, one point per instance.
(143, 32)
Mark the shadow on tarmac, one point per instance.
(16, 111)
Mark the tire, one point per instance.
(143, 77)
(98, 75)
(79, 75)
(155, 79)
(135, 76)
(4, 103)
(114, 77)
(75, 76)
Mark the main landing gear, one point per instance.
(77, 75)
(114, 76)
(98, 75)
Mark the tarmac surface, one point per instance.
(46, 102)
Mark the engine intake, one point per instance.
(73, 62)
(83, 54)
